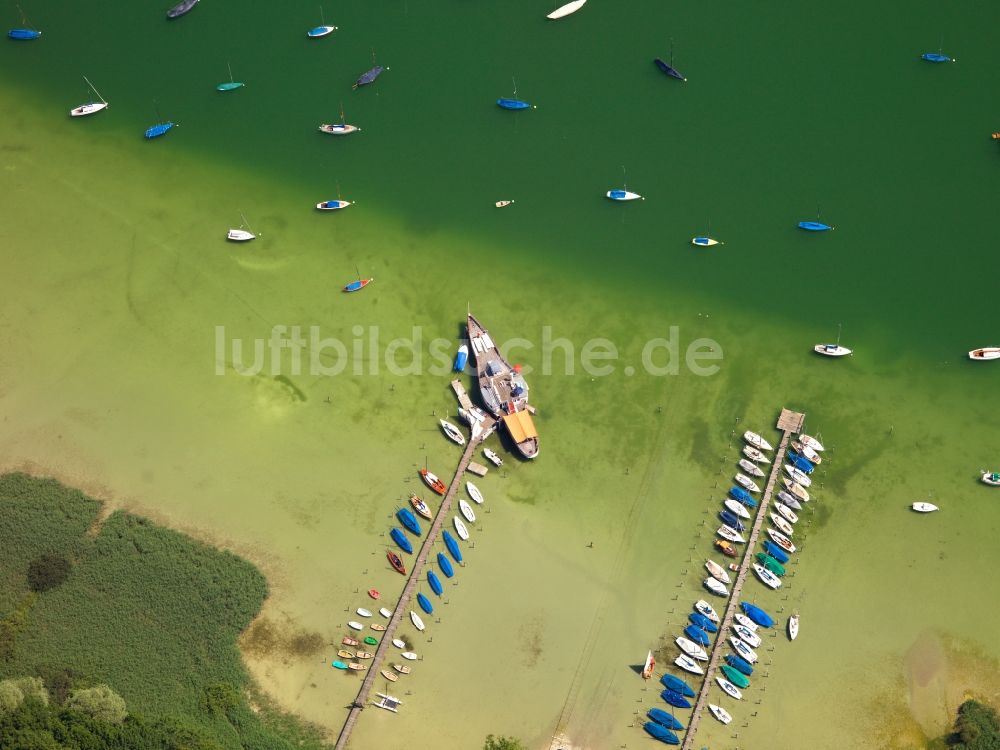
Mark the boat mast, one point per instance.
(839, 327)
(343, 120)
(322, 21)
(230, 67)
(95, 90)
(245, 222)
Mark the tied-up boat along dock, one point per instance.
(789, 423)
(412, 582)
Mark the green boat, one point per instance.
(771, 564)
(735, 676)
(371, 641)
(231, 84)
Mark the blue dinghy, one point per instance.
(661, 733)
(758, 615)
(400, 538)
(677, 685)
(935, 57)
(513, 104)
(697, 635)
(157, 130)
(452, 545)
(731, 520)
(425, 604)
(741, 495)
(814, 226)
(461, 357)
(24, 34)
(406, 517)
(670, 70)
(368, 77)
(435, 583)
(675, 699)
(338, 665)
(776, 552)
(666, 719)
(739, 663)
(697, 618)
(445, 565)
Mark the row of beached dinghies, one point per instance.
(770, 566)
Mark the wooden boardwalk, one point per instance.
(402, 606)
(787, 423)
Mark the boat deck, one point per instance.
(400, 613)
(788, 422)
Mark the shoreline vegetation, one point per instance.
(124, 632)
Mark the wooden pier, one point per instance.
(402, 606)
(789, 423)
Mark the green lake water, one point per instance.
(116, 276)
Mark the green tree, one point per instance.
(47, 571)
(100, 702)
(502, 743)
(10, 697)
(976, 728)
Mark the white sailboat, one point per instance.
(833, 350)
(90, 107)
(339, 128)
(623, 194)
(566, 9)
(707, 240)
(241, 234)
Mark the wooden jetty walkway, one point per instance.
(789, 423)
(402, 606)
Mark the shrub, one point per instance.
(47, 571)
(100, 702)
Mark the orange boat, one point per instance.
(348, 641)
(433, 482)
(395, 562)
(726, 548)
(374, 593)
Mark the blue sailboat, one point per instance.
(368, 76)
(669, 68)
(514, 103)
(445, 564)
(159, 129)
(697, 635)
(24, 34)
(741, 495)
(776, 552)
(677, 685)
(731, 520)
(697, 618)
(400, 538)
(425, 604)
(814, 226)
(435, 583)
(756, 614)
(323, 29)
(452, 545)
(661, 733)
(801, 463)
(406, 517)
(935, 57)
(675, 699)
(739, 663)
(666, 719)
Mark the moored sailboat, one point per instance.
(241, 234)
(90, 107)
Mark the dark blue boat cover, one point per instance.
(677, 685)
(435, 583)
(661, 733)
(758, 615)
(675, 699)
(400, 538)
(445, 564)
(697, 618)
(425, 604)
(743, 496)
(697, 635)
(776, 552)
(666, 719)
(406, 517)
(739, 663)
(452, 545)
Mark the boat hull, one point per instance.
(512, 104)
(985, 354)
(566, 10)
(88, 109)
(181, 8)
(318, 31)
(623, 195)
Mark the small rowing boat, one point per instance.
(793, 626)
(409, 655)
(433, 482)
(474, 492)
(466, 510)
(355, 625)
(986, 353)
(461, 529)
(726, 548)
(452, 432)
(390, 676)
(401, 668)
(756, 441)
(345, 654)
(396, 562)
(566, 9)
(363, 612)
(415, 619)
(493, 457)
(364, 655)
(374, 593)
(348, 641)
(374, 626)
(924, 507)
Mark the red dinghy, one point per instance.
(395, 562)
(433, 482)
(373, 593)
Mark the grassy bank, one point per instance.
(147, 611)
